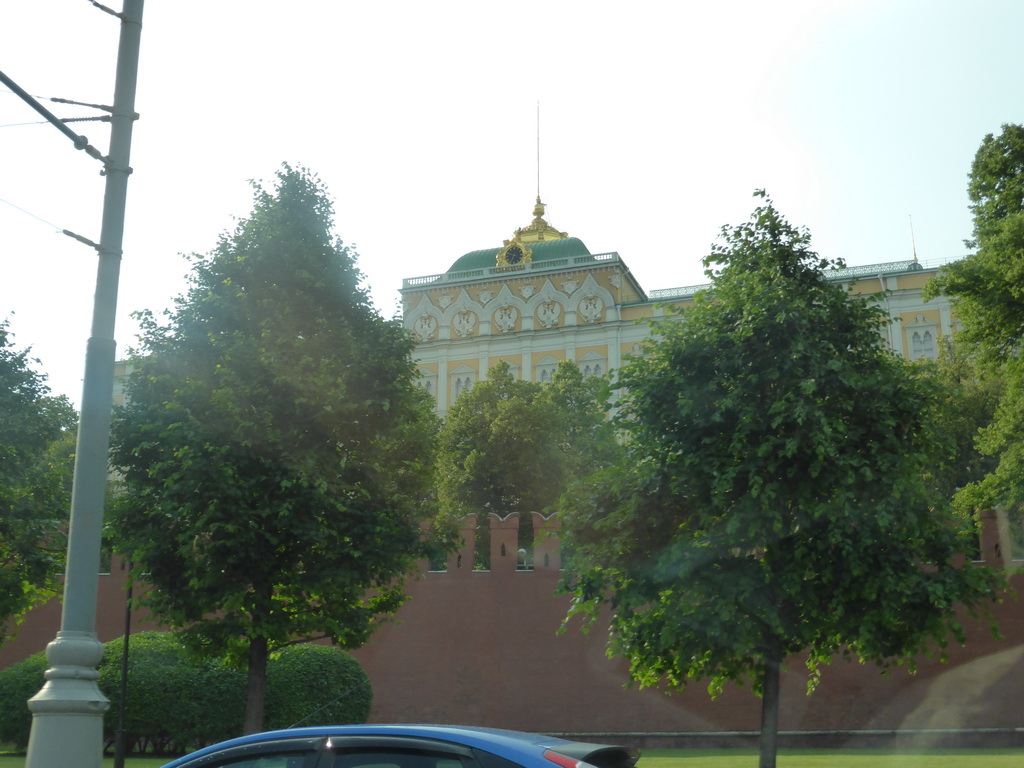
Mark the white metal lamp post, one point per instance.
(67, 713)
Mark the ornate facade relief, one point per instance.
(527, 291)
(505, 318)
(548, 313)
(570, 286)
(591, 303)
(423, 320)
(591, 308)
(463, 323)
(486, 296)
(426, 327)
(444, 301)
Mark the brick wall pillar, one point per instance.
(461, 560)
(992, 545)
(504, 543)
(546, 549)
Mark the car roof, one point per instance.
(505, 743)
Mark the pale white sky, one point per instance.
(658, 120)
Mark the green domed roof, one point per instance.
(549, 250)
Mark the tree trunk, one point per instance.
(256, 691)
(770, 703)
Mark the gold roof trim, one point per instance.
(538, 230)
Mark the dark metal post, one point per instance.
(122, 704)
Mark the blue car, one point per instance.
(405, 746)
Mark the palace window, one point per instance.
(921, 335)
(546, 369)
(593, 364)
(461, 380)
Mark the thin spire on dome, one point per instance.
(538, 229)
(913, 245)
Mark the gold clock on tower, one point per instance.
(514, 254)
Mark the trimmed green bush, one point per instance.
(315, 685)
(19, 683)
(177, 701)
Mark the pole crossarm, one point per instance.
(81, 142)
(80, 238)
(58, 100)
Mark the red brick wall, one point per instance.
(484, 648)
(41, 625)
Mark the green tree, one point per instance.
(37, 434)
(967, 399)
(772, 500)
(988, 287)
(1003, 442)
(989, 284)
(579, 421)
(275, 448)
(513, 446)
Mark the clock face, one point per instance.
(514, 255)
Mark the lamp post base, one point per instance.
(69, 708)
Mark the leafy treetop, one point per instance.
(275, 447)
(508, 445)
(988, 288)
(772, 499)
(988, 285)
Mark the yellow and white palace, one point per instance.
(543, 297)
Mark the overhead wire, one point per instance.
(29, 213)
(58, 100)
(96, 118)
(99, 118)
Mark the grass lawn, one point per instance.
(747, 758)
(835, 758)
